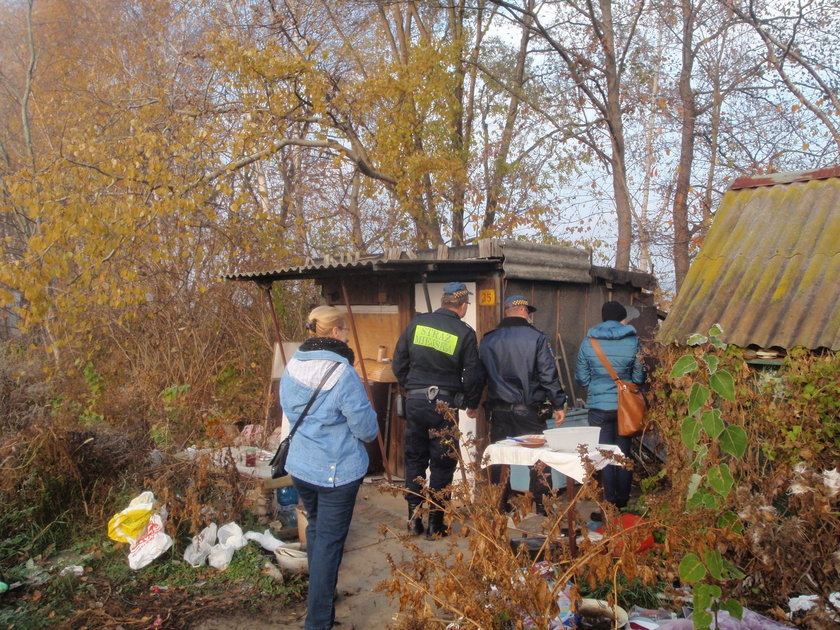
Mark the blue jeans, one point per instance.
(329, 511)
(616, 480)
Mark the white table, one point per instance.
(570, 464)
(509, 452)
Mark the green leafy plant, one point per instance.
(709, 487)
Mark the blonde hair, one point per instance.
(323, 319)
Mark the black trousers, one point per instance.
(505, 422)
(423, 451)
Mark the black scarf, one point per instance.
(328, 343)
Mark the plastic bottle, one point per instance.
(288, 499)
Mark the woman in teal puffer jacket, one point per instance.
(621, 346)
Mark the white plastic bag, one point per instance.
(230, 535)
(220, 557)
(151, 544)
(230, 539)
(198, 550)
(266, 540)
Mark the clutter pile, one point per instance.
(141, 524)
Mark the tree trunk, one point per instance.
(688, 109)
(623, 206)
(459, 183)
(496, 188)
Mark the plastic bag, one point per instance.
(220, 557)
(230, 535)
(151, 544)
(128, 525)
(266, 540)
(198, 550)
(230, 539)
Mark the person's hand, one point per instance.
(559, 417)
(472, 413)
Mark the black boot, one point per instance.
(415, 523)
(437, 528)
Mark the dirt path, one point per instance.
(364, 566)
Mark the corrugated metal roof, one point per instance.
(519, 260)
(769, 271)
(789, 177)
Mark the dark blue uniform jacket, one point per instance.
(519, 365)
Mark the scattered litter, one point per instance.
(230, 535)
(128, 525)
(73, 569)
(602, 610)
(565, 618)
(749, 621)
(266, 540)
(803, 603)
(291, 559)
(230, 540)
(648, 618)
(34, 574)
(151, 544)
(272, 571)
(251, 435)
(199, 549)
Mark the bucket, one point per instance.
(291, 559)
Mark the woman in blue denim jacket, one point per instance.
(621, 347)
(327, 458)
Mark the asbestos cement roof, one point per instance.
(519, 260)
(769, 270)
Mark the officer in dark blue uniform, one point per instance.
(521, 377)
(436, 359)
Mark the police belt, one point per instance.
(503, 406)
(425, 392)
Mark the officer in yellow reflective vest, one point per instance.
(436, 359)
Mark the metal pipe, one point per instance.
(352, 323)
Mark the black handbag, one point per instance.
(278, 462)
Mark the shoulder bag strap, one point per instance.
(597, 348)
(314, 396)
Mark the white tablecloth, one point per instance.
(570, 464)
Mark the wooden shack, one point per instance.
(384, 291)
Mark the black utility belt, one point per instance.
(432, 392)
(503, 406)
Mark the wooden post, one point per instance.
(267, 288)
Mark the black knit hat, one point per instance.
(614, 311)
